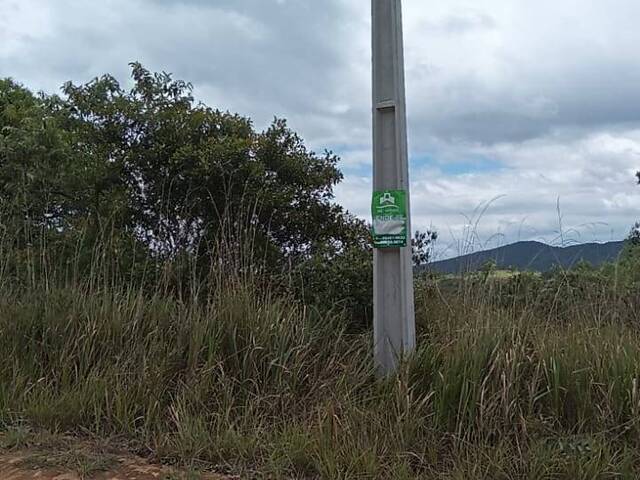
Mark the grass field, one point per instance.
(239, 378)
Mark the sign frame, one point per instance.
(390, 219)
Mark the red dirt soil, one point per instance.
(17, 466)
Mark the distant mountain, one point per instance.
(533, 256)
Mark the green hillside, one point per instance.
(532, 256)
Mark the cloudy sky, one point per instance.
(514, 106)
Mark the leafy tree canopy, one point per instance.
(153, 164)
(161, 176)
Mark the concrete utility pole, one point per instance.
(394, 317)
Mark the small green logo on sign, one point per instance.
(389, 211)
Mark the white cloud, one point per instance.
(20, 24)
(591, 177)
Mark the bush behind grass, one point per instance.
(246, 379)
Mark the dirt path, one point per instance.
(32, 465)
(32, 455)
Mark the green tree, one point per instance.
(341, 278)
(150, 174)
(36, 158)
(177, 172)
(160, 175)
(422, 244)
(634, 235)
(151, 163)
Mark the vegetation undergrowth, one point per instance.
(250, 380)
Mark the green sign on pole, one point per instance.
(389, 211)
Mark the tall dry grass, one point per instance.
(243, 377)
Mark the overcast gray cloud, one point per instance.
(520, 69)
(527, 101)
(258, 57)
